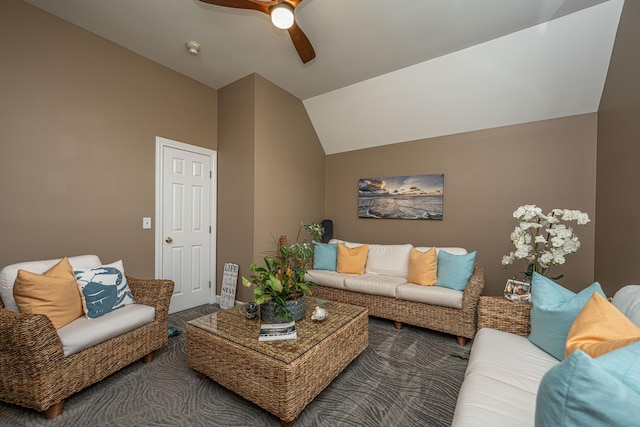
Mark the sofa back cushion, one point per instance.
(9, 274)
(390, 260)
(451, 250)
(627, 300)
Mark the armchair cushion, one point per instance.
(53, 293)
(84, 333)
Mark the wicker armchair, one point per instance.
(34, 372)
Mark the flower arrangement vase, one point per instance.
(296, 307)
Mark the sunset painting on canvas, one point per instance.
(401, 197)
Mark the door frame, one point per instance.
(161, 143)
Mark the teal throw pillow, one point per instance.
(454, 271)
(554, 311)
(103, 289)
(582, 391)
(325, 256)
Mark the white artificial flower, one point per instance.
(558, 258)
(508, 259)
(557, 242)
(552, 239)
(522, 251)
(582, 218)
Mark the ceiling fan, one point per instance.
(282, 16)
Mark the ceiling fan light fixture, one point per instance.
(282, 15)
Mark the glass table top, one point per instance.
(233, 325)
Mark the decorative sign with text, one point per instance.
(229, 283)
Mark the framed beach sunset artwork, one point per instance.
(401, 197)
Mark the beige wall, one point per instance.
(487, 175)
(617, 249)
(289, 169)
(236, 160)
(271, 174)
(78, 121)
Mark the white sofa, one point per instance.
(505, 370)
(40, 365)
(384, 290)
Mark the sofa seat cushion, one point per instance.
(508, 368)
(83, 333)
(434, 295)
(509, 358)
(485, 401)
(374, 284)
(9, 273)
(330, 279)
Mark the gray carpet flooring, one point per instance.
(407, 377)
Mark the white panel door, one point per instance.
(186, 226)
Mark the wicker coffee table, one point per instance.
(282, 377)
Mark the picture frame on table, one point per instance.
(517, 291)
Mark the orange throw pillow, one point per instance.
(352, 260)
(600, 328)
(53, 293)
(423, 267)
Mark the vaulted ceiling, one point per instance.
(385, 72)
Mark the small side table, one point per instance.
(497, 312)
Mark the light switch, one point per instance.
(146, 222)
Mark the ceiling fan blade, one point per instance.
(241, 4)
(301, 43)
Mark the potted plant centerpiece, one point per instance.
(281, 288)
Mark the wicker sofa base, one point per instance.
(458, 322)
(34, 372)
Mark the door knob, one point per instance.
(168, 239)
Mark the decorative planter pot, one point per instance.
(297, 308)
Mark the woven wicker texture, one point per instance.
(282, 377)
(496, 312)
(459, 322)
(33, 370)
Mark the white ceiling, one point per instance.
(385, 71)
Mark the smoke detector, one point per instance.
(193, 47)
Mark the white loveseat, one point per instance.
(505, 371)
(384, 290)
(40, 365)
